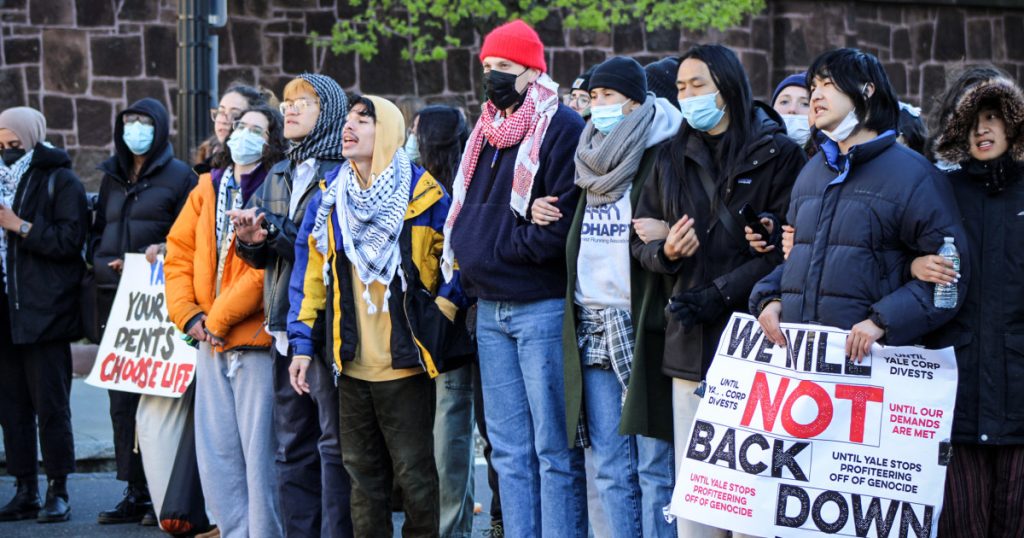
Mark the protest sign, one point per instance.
(141, 350)
(793, 439)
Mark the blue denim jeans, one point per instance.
(542, 480)
(634, 473)
(454, 451)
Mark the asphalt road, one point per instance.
(92, 493)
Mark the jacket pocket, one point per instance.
(1014, 378)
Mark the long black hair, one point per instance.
(731, 80)
(850, 69)
(441, 134)
(272, 152)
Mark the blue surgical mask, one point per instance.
(412, 148)
(246, 146)
(701, 111)
(606, 117)
(138, 137)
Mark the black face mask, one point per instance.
(11, 155)
(500, 89)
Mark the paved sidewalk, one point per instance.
(90, 422)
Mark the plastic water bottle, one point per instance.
(946, 294)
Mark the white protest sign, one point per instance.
(141, 350)
(798, 441)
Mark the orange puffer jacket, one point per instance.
(190, 269)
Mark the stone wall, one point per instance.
(81, 61)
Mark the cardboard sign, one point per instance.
(797, 439)
(141, 350)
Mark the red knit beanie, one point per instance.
(515, 41)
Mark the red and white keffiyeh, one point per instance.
(526, 127)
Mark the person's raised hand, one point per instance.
(788, 232)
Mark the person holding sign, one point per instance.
(862, 208)
(982, 130)
(143, 189)
(312, 482)
(44, 221)
(218, 300)
(730, 152)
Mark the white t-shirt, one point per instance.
(603, 264)
(305, 173)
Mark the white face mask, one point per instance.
(845, 128)
(797, 127)
(849, 123)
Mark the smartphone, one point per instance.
(752, 220)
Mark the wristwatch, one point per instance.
(24, 229)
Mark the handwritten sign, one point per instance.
(798, 438)
(141, 350)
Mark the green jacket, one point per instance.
(647, 410)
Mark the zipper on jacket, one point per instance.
(408, 322)
(14, 252)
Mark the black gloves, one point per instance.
(697, 306)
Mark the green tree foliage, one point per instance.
(424, 23)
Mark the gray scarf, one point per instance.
(606, 165)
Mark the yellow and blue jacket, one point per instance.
(322, 316)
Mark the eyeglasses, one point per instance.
(582, 101)
(299, 105)
(140, 118)
(230, 115)
(254, 129)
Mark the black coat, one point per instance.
(763, 178)
(131, 215)
(988, 331)
(860, 221)
(45, 268)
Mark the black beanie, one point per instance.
(623, 75)
(582, 82)
(661, 79)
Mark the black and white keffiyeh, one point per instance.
(10, 176)
(229, 197)
(371, 221)
(324, 141)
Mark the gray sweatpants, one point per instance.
(235, 441)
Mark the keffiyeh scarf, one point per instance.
(371, 221)
(324, 141)
(10, 176)
(526, 127)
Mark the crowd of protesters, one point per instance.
(367, 287)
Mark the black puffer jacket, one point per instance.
(131, 215)
(860, 220)
(988, 331)
(45, 268)
(763, 178)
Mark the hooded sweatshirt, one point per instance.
(131, 215)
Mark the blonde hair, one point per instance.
(297, 86)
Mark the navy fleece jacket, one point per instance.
(502, 256)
